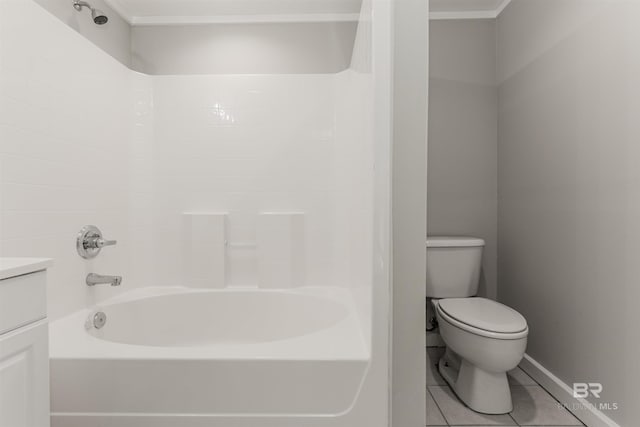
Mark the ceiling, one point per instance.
(176, 12)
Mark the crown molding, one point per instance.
(119, 6)
(469, 14)
(243, 19)
(121, 10)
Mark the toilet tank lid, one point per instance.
(453, 242)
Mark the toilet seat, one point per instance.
(483, 317)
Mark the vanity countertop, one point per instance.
(11, 267)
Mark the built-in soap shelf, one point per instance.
(279, 249)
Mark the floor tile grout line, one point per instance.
(538, 385)
(554, 398)
(438, 406)
(560, 404)
(513, 419)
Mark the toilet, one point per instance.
(484, 339)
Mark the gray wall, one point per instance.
(463, 140)
(244, 48)
(409, 203)
(569, 188)
(114, 37)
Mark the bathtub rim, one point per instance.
(343, 341)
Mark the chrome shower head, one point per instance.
(98, 16)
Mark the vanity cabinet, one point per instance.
(24, 344)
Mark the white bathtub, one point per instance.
(195, 354)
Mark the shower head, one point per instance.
(98, 16)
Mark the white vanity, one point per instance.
(24, 354)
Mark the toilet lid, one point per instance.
(484, 314)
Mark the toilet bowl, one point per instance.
(484, 339)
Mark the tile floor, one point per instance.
(532, 405)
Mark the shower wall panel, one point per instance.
(65, 126)
(247, 145)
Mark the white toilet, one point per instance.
(484, 338)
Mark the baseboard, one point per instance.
(581, 408)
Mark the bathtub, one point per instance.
(185, 354)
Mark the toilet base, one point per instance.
(483, 391)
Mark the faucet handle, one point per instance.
(89, 242)
(99, 243)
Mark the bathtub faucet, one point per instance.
(98, 279)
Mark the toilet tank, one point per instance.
(453, 266)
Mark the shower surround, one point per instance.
(253, 185)
(253, 191)
(252, 148)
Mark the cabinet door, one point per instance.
(24, 377)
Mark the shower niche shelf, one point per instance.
(274, 260)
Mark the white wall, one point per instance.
(278, 48)
(64, 138)
(114, 37)
(569, 188)
(463, 136)
(410, 109)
